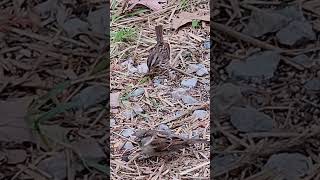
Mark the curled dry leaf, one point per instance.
(155, 5)
(186, 17)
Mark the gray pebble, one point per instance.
(127, 132)
(163, 127)
(296, 32)
(291, 165)
(313, 84)
(201, 66)
(128, 146)
(202, 72)
(137, 109)
(188, 99)
(127, 62)
(207, 44)
(128, 114)
(132, 69)
(157, 81)
(177, 94)
(190, 83)
(25, 52)
(200, 114)
(192, 68)
(112, 122)
(143, 68)
(178, 113)
(137, 92)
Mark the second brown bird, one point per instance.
(160, 54)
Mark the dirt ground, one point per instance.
(53, 98)
(265, 71)
(141, 102)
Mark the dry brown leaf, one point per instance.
(313, 6)
(155, 5)
(186, 17)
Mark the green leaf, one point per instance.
(124, 34)
(195, 23)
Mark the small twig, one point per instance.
(243, 37)
(194, 168)
(124, 138)
(183, 115)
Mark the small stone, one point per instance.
(128, 114)
(184, 135)
(178, 113)
(137, 92)
(313, 84)
(200, 114)
(16, 156)
(157, 81)
(303, 60)
(296, 32)
(127, 62)
(202, 72)
(137, 109)
(177, 94)
(143, 68)
(190, 83)
(163, 127)
(207, 44)
(192, 68)
(127, 132)
(290, 165)
(114, 111)
(195, 134)
(201, 65)
(249, 119)
(188, 99)
(112, 122)
(128, 146)
(25, 52)
(114, 99)
(132, 69)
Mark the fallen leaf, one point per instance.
(186, 17)
(13, 124)
(114, 99)
(155, 5)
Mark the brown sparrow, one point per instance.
(160, 54)
(155, 143)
